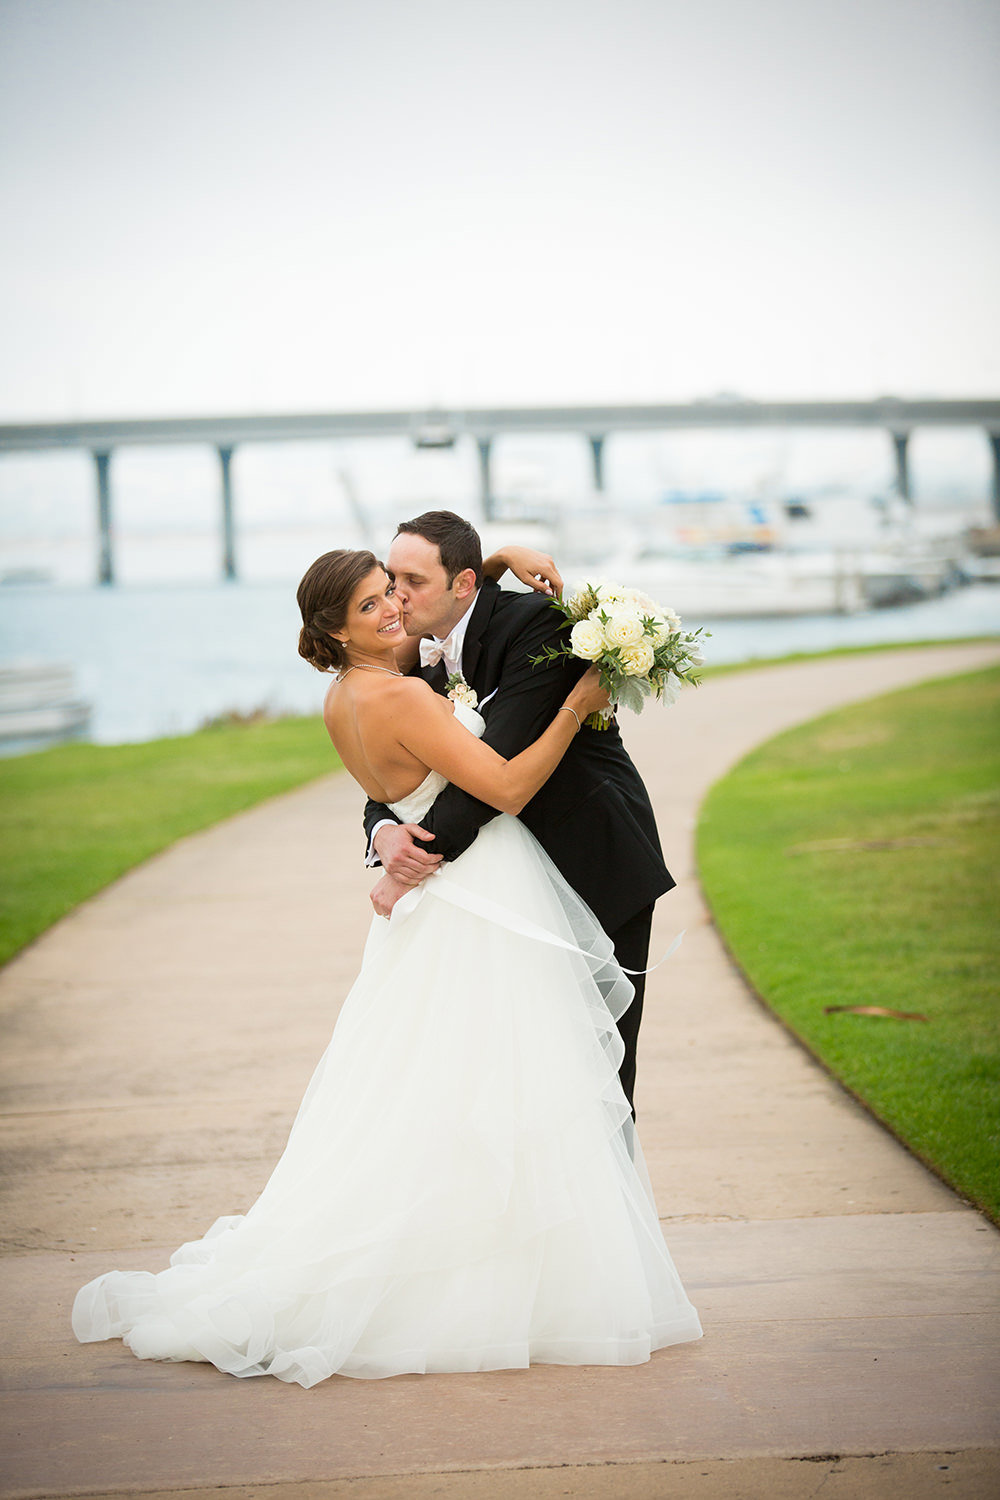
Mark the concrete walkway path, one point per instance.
(159, 1039)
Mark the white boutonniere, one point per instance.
(459, 691)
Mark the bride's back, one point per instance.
(364, 720)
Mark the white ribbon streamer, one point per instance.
(502, 916)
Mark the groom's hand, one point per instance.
(385, 893)
(401, 856)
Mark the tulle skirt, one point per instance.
(462, 1188)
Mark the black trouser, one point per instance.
(631, 942)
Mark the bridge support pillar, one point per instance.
(105, 555)
(597, 449)
(485, 445)
(994, 441)
(900, 442)
(228, 525)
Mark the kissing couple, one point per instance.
(462, 1188)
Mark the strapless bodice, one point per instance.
(410, 809)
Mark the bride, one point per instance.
(462, 1188)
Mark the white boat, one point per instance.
(706, 565)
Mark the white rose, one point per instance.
(610, 593)
(463, 693)
(637, 659)
(623, 628)
(640, 602)
(586, 639)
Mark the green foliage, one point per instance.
(852, 861)
(75, 817)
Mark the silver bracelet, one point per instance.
(565, 708)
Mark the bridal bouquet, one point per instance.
(638, 645)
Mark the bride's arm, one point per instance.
(423, 722)
(533, 568)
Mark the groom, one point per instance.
(592, 817)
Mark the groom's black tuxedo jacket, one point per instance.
(593, 816)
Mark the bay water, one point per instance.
(163, 658)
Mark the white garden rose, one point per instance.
(640, 602)
(459, 691)
(623, 628)
(587, 639)
(610, 593)
(637, 659)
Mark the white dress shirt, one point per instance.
(449, 650)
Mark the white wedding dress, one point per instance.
(461, 1188)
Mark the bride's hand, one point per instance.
(536, 569)
(587, 695)
(385, 893)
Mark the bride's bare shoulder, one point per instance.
(406, 695)
(375, 699)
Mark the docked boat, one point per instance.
(710, 560)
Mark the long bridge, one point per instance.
(897, 416)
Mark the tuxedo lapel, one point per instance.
(482, 613)
(437, 676)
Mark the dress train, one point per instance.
(462, 1188)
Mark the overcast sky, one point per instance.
(298, 204)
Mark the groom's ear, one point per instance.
(463, 584)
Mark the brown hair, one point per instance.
(323, 597)
(457, 541)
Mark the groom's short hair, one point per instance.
(456, 541)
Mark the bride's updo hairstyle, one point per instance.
(323, 597)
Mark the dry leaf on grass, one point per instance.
(874, 1010)
(853, 846)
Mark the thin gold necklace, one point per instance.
(369, 666)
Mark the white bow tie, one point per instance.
(432, 650)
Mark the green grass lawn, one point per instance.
(752, 662)
(75, 817)
(852, 861)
